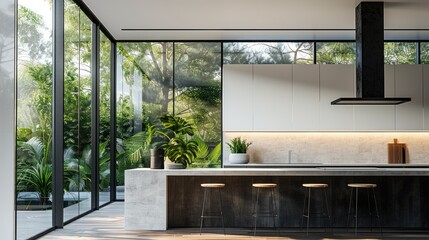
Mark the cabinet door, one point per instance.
(272, 91)
(378, 117)
(408, 78)
(237, 97)
(306, 96)
(336, 81)
(426, 96)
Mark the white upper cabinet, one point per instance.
(426, 96)
(336, 81)
(272, 91)
(237, 97)
(408, 78)
(298, 98)
(378, 117)
(306, 97)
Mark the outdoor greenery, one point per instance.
(336, 53)
(268, 53)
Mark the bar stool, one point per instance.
(307, 201)
(212, 186)
(273, 211)
(370, 187)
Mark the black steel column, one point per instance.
(314, 53)
(221, 103)
(113, 121)
(58, 116)
(418, 53)
(95, 126)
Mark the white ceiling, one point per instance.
(315, 19)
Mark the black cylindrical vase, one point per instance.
(157, 158)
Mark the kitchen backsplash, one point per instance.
(329, 147)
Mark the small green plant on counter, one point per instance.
(238, 145)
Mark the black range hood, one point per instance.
(370, 58)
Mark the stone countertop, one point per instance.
(146, 189)
(313, 165)
(323, 170)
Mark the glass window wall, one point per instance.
(424, 52)
(198, 96)
(335, 53)
(268, 53)
(144, 93)
(77, 111)
(34, 114)
(400, 53)
(105, 108)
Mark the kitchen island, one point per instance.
(159, 199)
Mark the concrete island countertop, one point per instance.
(322, 170)
(146, 189)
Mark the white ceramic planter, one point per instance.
(174, 166)
(238, 158)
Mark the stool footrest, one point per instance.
(265, 215)
(212, 216)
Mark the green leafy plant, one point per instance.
(179, 147)
(180, 150)
(205, 157)
(34, 172)
(39, 178)
(238, 145)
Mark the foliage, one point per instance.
(400, 53)
(205, 157)
(180, 150)
(238, 145)
(177, 125)
(37, 178)
(424, 52)
(336, 53)
(34, 171)
(268, 53)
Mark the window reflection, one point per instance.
(34, 114)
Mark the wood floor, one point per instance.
(108, 223)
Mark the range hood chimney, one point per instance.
(370, 58)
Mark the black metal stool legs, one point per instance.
(202, 211)
(307, 205)
(212, 186)
(256, 211)
(272, 206)
(221, 211)
(369, 187)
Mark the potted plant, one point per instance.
(238, 149)
(179, 148)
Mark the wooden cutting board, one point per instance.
(396, 152)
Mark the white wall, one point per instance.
(7, 119)
(285, 97)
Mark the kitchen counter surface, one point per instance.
(323, 165)
(321, 170)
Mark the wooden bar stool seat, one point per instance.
(315, 185)
(362, 185)
(212, 186)
(264, 185)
